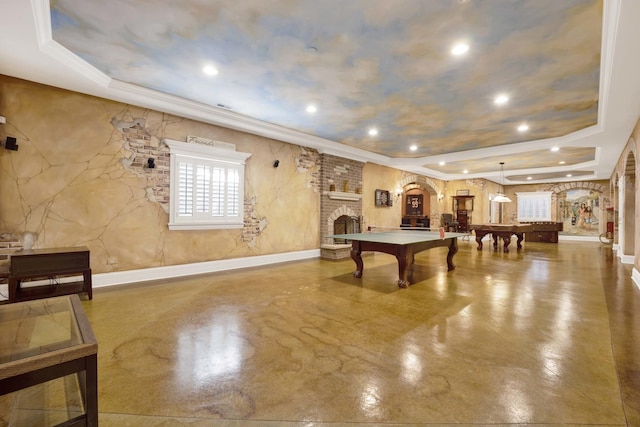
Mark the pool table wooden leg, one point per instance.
(479, 241)
(506, 240)
(479, 236)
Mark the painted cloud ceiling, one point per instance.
(363, 64)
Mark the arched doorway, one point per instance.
(614, 191)
(420, 186)
(627, 211)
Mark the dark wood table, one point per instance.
(50, 264)
(45, 339)
(543, 231)
(504, 231)
(403, 245)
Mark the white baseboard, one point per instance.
(102, 280)
(568, 237)
(635, 276)
(627, 259)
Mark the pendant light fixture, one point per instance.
(501, 198)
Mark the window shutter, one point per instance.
(206, 187)
(534, 206)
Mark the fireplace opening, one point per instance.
(346, 225)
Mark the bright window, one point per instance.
(207, 186)
(534, 206)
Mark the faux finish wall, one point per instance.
(627, 170)
(76, 180)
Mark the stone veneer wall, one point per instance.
(336, 170)
(138, 140)
(9, 243)
(80, 179)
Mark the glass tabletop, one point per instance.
(37, 327)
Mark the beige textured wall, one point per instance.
(480, 189)
(384, 178)
(628, 165)
(71, 184)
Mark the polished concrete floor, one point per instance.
(549, 335)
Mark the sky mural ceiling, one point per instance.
(384, 65)
(363, 64)
(567, 156)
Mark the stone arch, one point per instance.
(428, 185)
(422, 182)
(559, 188)
(342, 210)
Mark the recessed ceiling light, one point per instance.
(210, 70)
(414, 147)
(562, 162)
(459, 49)
(523, 127)
(501, 99)
(373, 132)
(465, 171)
(442, 163)
(311, 108)
(569, 175)
(555, 148)
(311, 49)
(529, 178)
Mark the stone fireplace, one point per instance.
(340, 203)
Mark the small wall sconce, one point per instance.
(151, 163)
(440, 196)
(276, 163)
(10, 144)
(398, 192)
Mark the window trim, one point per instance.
(218, 153)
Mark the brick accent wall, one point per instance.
(144, 146)
(309, 161)
(10, 243)
(336, 170)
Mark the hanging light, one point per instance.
(501, 198)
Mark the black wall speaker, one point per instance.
(10, 144)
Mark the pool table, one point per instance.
(504, 231)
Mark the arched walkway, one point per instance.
(422, 182)
(627, 210)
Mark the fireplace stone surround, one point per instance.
(341, 184)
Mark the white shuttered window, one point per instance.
(534, 206)
(207, 190)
